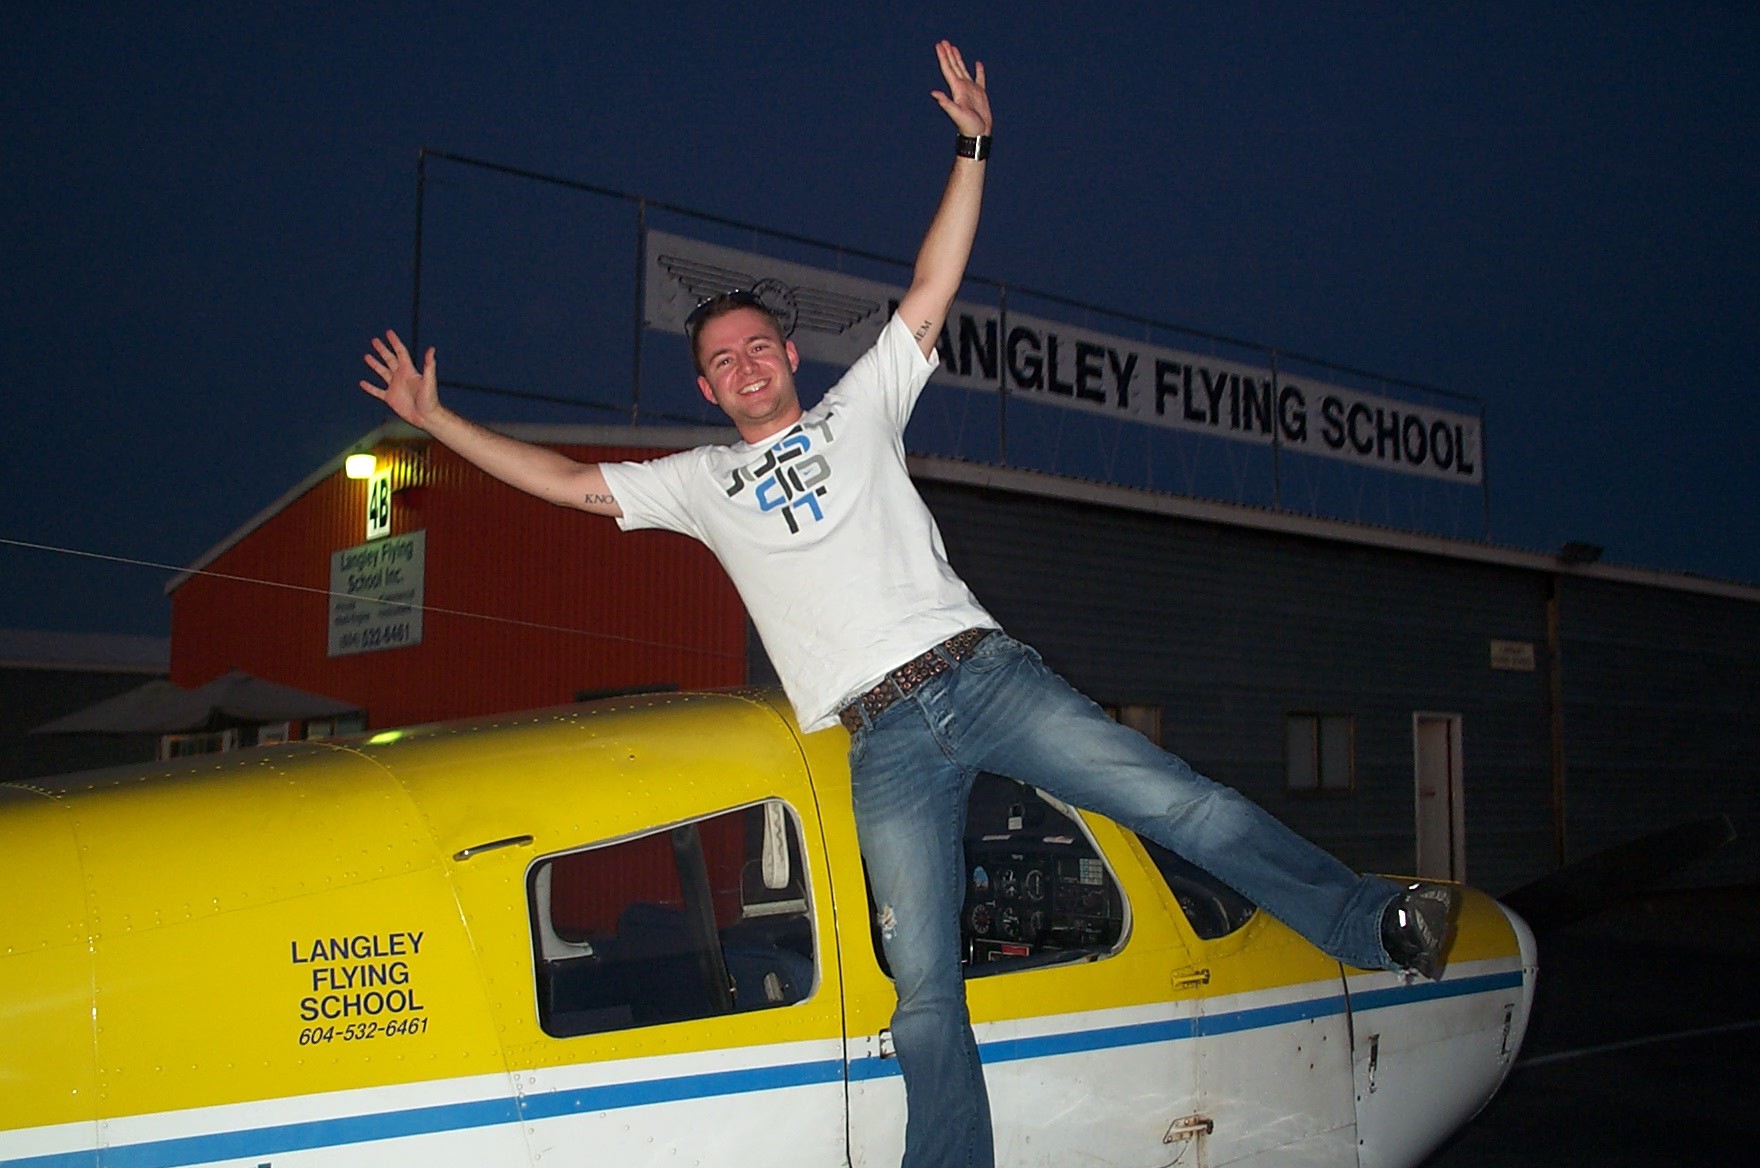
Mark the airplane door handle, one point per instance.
(1191, 977)
(512, 841)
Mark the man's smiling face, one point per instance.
(748, 370)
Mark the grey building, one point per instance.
(47, 675)
(1417, 704)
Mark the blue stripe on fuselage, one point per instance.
(300, 1137)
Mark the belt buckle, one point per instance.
(907, 678)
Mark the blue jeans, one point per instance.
(1003, 711)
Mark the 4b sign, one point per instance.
(379, 505)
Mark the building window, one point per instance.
(339, 727)
(1320, 755)
(207, 742)
(694, 921)
(1145, 720)
(274, 732)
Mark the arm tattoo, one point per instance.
(601, 499)
(922, 331)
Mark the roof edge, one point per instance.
(1047, 486)
(666, 437)
(1028, 482)
(49, 650)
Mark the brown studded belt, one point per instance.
(907, 677)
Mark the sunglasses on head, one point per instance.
(715, 305)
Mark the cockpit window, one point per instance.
(1213, 908)
(705, 918)
(1037, 890)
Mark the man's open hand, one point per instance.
(965, 101)
(412, 394)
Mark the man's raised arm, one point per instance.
(414, 396)
(941, 262)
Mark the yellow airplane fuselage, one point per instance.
(638, 932)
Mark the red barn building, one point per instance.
(524, 604)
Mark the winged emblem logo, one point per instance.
(795, 305)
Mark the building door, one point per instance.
(1441, 817)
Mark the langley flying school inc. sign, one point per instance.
(376, 591)
(833, 317)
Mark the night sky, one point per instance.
(204, 213)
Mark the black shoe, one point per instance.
(1417, 925)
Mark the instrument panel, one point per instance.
(1028, 894)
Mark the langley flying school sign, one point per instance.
(376, 591)
(833, 317)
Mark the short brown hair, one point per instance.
(718, 306)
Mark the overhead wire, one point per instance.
(331, 593)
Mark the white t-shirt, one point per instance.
(834, 553)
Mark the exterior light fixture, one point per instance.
(360, 466)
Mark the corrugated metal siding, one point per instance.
(540, 603)
(1230, 630)
(1662, 717)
